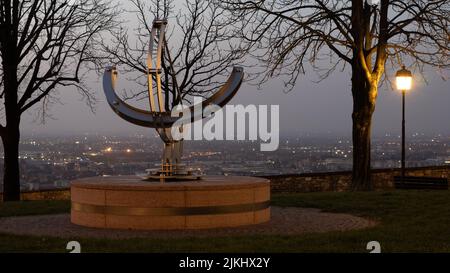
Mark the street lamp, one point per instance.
(404, 83)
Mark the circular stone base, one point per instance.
(127, 202)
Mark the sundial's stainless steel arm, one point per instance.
(130, 113)
(154, 56)
(164, 119)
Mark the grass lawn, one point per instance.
(410, 221)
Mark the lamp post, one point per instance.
(404, 83)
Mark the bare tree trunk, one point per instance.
(10, 138)
(10, 134)
(363, 108)
(11, 177)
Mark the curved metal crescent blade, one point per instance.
(165, 120)
(130, 113)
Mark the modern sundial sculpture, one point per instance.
(128, 202)
(158, 117)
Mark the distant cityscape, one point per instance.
(52, 162)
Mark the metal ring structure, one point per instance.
(153, 119)
(160, 118)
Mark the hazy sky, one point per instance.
(309, 108)
(323, 107)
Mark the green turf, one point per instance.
(409, 221)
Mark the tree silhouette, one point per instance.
(44, 45)
(364, 35)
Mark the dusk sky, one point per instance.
(311, 107)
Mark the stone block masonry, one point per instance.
(383, 179)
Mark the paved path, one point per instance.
(284, 221)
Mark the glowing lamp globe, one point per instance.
(404, 79)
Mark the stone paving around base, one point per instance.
(284, 221)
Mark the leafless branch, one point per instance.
(200, 47)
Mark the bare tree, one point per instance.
(364, 35)
(44, 45)
(199, 48)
